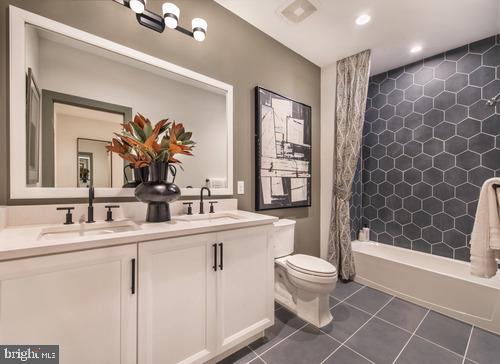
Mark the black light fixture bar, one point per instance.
(154, 21)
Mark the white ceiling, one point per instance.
(331, 34)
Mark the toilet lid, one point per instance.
(311, 265)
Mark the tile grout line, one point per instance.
(355, 332)
(413, 334)
(257, 355)
(468, 343)
(343, 300)
(279, 342)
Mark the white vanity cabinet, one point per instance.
(201, 295)
(81, 301)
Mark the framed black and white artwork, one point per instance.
(283, 152)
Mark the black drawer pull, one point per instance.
(215, 257)
(132, 288)
(221, 265)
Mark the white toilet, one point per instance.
(302, 282)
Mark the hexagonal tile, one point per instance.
(454, 238)
(463, 254)
(467, 192)
(414, 67)
(434, 88)
(385, 214)
(491, 159)
(445, 70)
(478, 175)
(454, 207)
(469, 63)
(432, 205)
(444, 131)
(412, 204)
(482, 76)
(464, 224)
(394, 202)
(432, 235)
(423, 104)
(386, 137)
(387, 85)
(394, 123)
(379, 101)
(370, 187)
(395, 97)
(469, 127)
(394, 176)
(422, 162)
(379, 78)
(404, 81)
(421, 219)
(387, 111)
(404, 135)
(413, 120)
(377, 201)
(468, 160)
(456, 82)
(404, 108)
(378, 126)
(422, 190)
(444, 100)
(413, 148)
(373, 89)
(412, 231)
(394, 228)
(444, 161)
(442, 250)
(443, 191)
(492, 125)
(481, 143)
(492, 57)
(413, 92)
(424, 75)
(456, 114)
(480, 110)
(403, 162)
(378, 151)
(402, 216)
(423, 133)
(412, 176)
(457, 53)
(455, 176)
(369, 212)
(421, 245)
(433, 147)
(371, 115)
(395, 149)
(491, 89)
(386, 189)
(395, 73)
(433, 117)
(482, 45)
(442, 221)
(456, 145)
(469, 95)
(433, 176)
(386, 163)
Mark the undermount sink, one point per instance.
(219, 217)
(84, 229)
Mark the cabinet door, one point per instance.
(177, 300)
(80, 301)
(244, 285)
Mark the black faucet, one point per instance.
(90, 209)
(201, 197)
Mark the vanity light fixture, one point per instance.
(170, 19)
(416, 49)
(363, 19)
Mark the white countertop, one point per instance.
(27, 241)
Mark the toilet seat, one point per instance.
(309, 265)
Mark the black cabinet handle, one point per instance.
(215, 257)
(132, 289)
(221, 265)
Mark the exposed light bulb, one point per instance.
(199, 29)
(137, 6)
(416, 49)
(363, 19)
(171, 14)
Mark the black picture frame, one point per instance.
(294, 181)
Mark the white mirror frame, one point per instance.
(18, 189)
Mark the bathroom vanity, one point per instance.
(125, 292)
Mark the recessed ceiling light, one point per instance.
(363, 19)
(299, 11)
(416, 49)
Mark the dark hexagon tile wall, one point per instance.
(429, 143)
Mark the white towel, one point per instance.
(485, 238)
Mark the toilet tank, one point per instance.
(283, 237)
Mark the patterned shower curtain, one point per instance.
(352, 87)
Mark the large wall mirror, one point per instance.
(71, 91)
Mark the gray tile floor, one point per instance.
(370, 326)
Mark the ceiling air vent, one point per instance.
(298, 11)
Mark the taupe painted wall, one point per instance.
(234, 52)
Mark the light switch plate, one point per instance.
(241, 187)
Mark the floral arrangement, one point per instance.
(141, 143)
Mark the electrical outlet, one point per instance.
(241, 187)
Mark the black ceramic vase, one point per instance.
(139, 175)
(157, 192)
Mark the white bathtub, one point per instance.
(442, 284)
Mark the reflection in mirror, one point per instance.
(87, 92)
